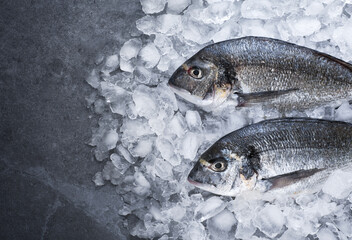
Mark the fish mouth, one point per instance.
(211, 189)
(208, 100)
(191, 181)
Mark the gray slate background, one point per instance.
(47, 49)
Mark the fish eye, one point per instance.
(195, 72)
(219, 165)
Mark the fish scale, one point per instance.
(287, 76)
(298, 135)
(279, 152)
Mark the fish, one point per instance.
(288, 155)
(258, 70)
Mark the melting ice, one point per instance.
(148, 139)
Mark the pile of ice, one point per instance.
(149, 140)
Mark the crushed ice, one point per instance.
(148, 140)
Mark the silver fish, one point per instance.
(262, 70)
(288, 154)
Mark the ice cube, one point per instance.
(99, 59)
(93, 79)
(145, 102)
(152, 6)
(314, 8)
(163, 169)
(120, 164)
(111, 64)
(299, 222)
(339, 184)
(218, 13)
(147, 24)
(126, 66)
(333, 11)
(169, 24)
(257, 27)
(131, 110)
(347, 10)
(269, 220)
(142, 184)
(233, 120)
(224, 220)
(157, 125)
(177, 125)
(305, 199)
(124, 152)
(245, 230)
(189, 145)
(111, 173)
(175, 213)
(142, 75)
(164, 63)
(177, 6)
(291, 234)
(134, 129)
(258, 10)
(303, 25)
(100, 154)
(91, 98)
(194, 230)
(156, 213)
(209, 208)
(150, 55)
(99, 106)
(167, 100)
(344, 112)
(342, 38)
(228, 31)
(193, 120)
(98, 179)
(197, 32)
(165, 148)
(214, 1)
(344, 225)
(130, 49)
(163, 43)
(110, 139)
(115, 96)
(176, 62)
(125, 210)
(142, 148)
(325, 234)
(322, 207)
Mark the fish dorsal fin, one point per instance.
(334, 59)
(290, 178)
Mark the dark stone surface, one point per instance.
(31, 210)
(47, 49)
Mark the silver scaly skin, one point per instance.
(274, 73)
(278, 154)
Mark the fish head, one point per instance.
(217, 174)
(197, 81)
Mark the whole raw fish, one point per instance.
(289, 154)
(262, 70)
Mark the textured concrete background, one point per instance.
(47, 49)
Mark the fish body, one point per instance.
(277, 154)
(272, 72)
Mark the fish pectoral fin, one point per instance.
(245, 99)
(290, 178)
